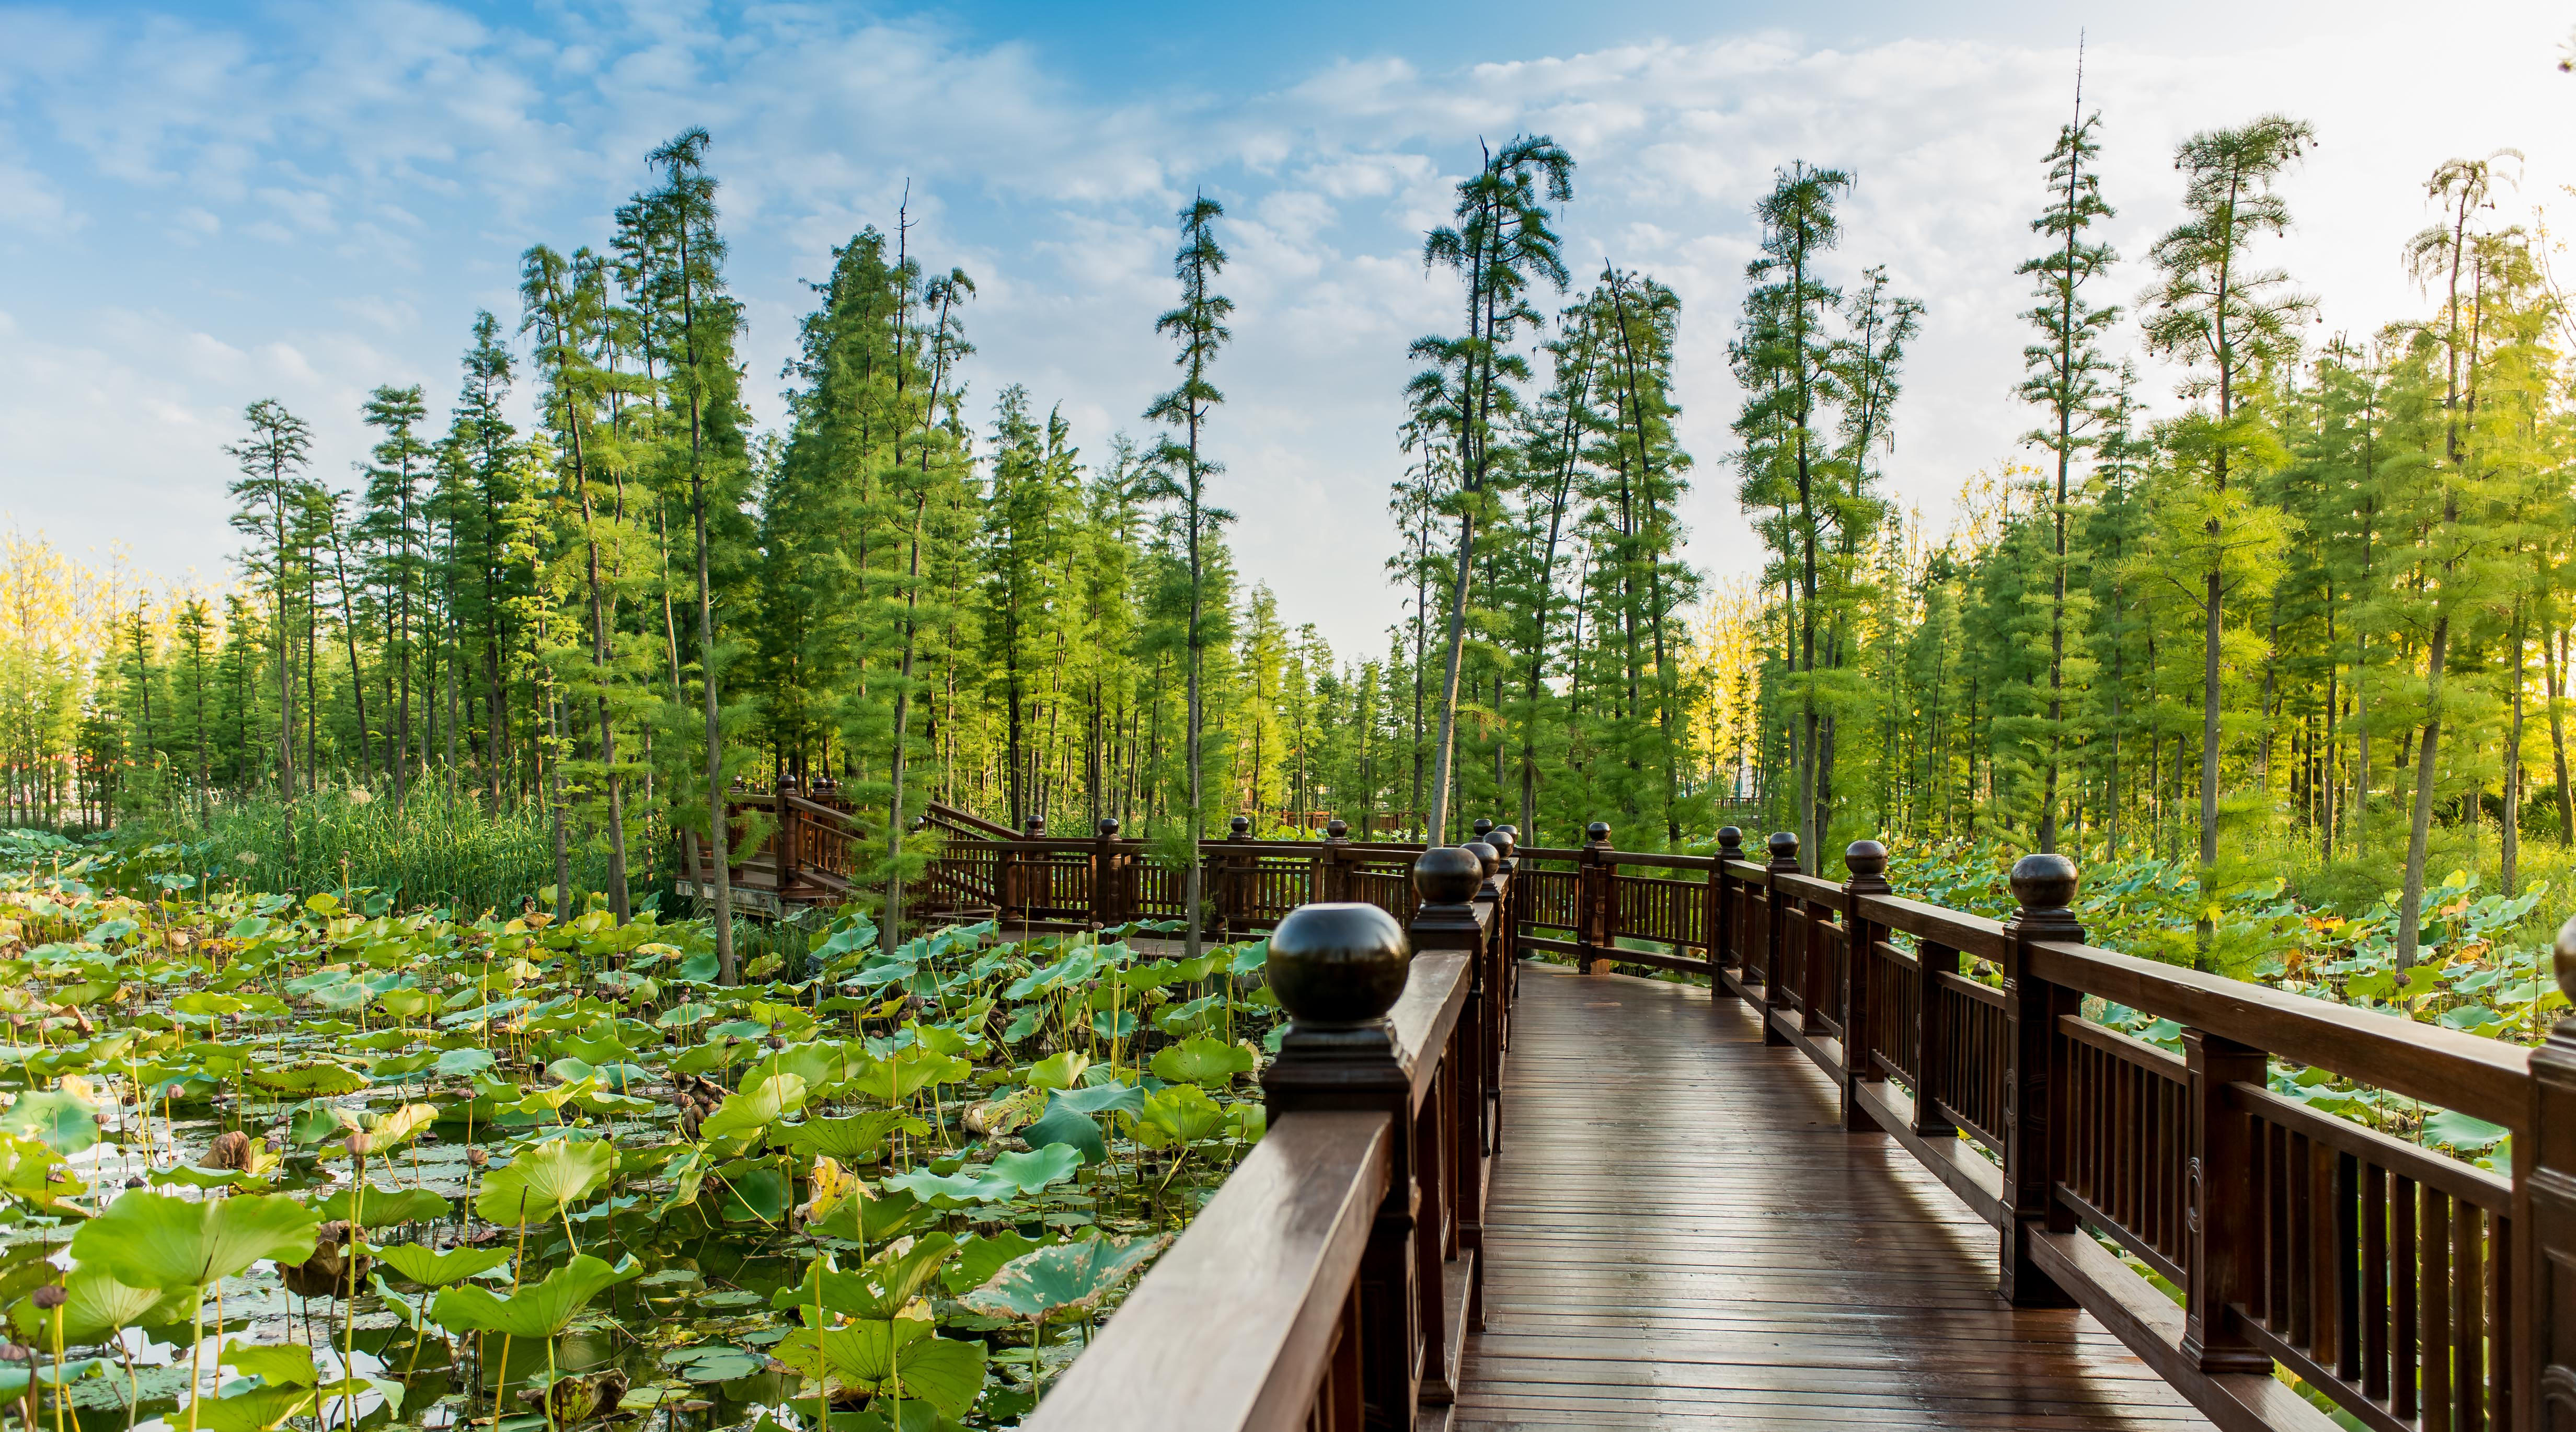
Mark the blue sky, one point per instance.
(203, 205)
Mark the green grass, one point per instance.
(440, 848)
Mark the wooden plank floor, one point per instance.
(1679, 1234)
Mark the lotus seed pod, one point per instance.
(50, 1297)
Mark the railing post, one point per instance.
(2544, 1206)
(2222, 1240)
(1592, 895)
(1775, 951)
(1108, 907)
(1867, 862)
(2035, 1110)
(786, 839)
(1332, 875)
(1931, 1038)
(1724, 927)
(1337, 969)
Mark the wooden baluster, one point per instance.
(2222, 1238)
(2035, 1080)
(1337, 969)
(2544, 1209)
(1775, 953)
(1933, 1047)
(1867, 862)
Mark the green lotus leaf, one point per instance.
(95, 1306)
(870, 1221)
(438, 1267)
(261, 1409)
(982, 1255)
(749, 1112)
(2464, 1132)
(906, 1072)
(1005, 1177)
(159, 1240)
(854, 1139)
(60, 1120)
(1201, 1060)
(1059, 1070)
(464, 1063)
(407, 1003)
(537, 1310)
(278, 1365)
(891, 1358)
(1066, 1276)
(318, 1077)
(545, 1179)
(714, 1362)
(385, 1207)
(1177, 1114)
(882, 1288)
(1065, 1125)
(32, 1173)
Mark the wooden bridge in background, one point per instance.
(1872, 1164)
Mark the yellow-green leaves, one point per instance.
(544, 1180)
(157, 1240)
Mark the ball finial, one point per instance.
(1241, 826)
(1504, 841)
(1488, 858)
(2044, 883)
(1598, 832)
(1036, 826)
(1730, 841)
(1865, 857)
(1109, 825)
(1784, 849)
(1337, 829)
(1483, 827)
(1447, 875)
(1338, 965)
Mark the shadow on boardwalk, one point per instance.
(1680, 1235)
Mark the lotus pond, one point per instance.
(321, 1163)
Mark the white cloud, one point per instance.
(359, 181)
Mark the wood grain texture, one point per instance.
(1680, 1234)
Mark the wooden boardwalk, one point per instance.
(1679, 1234)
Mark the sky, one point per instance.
(204, 205)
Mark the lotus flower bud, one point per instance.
(361, 1142)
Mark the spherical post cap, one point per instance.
(1338, 963)
(1502, 839)
(1598, 832)
(1784, 844)
(1240, 824)
(2044, 881)
(1337, 827)
(1036, 825)
(1730, 837)
(1448, 875)
(1865, 857)
(1109, 825)
(1488, 859)
(1483, 827)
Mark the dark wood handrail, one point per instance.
(1269, 1267)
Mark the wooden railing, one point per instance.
(2394, 1280)
(1331, 1282)
(2222, 1230)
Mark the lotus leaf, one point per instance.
(893, 1358)
(1178, 1114)
(261, 1409)
(854, 1139)
(59, 1119)
(95, 1306)
(714, 1362)
(2456, 1130)
(748, 1113)
(1006, 1176)
(982, 1255)
(286, 1365)
(386, 1207)
(464, 1063)
(1064, 1277)
(869, 1221)
(1201, 1060)
(317, 1077)
(545, 1179)
(1060, 1070)
(537, 1310)
(159, 1240)
(437, 1268)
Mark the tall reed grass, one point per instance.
(439, 848)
